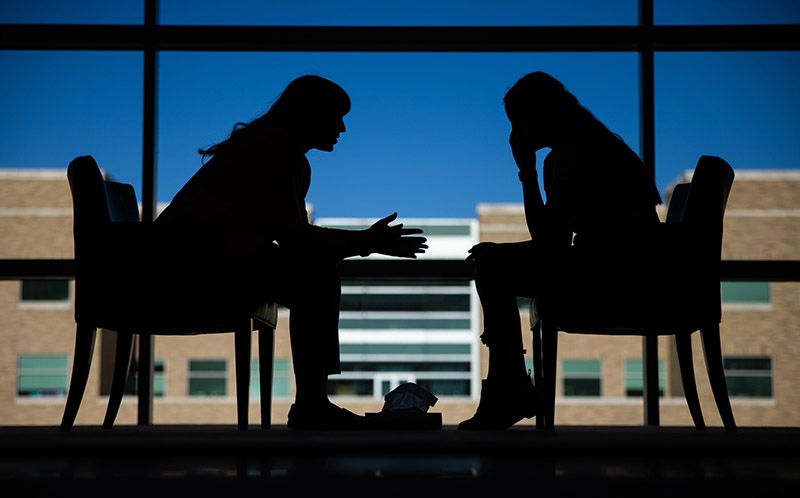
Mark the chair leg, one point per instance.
(81, 363)
(536, 332)
(650, 392)
(549, 350)
(683, 344)
(242, 341)
(122, 365)
(266, 352)
(716, 374)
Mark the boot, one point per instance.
(503, 404)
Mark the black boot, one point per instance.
(503, 404)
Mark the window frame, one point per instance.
(45, 304)
(752, 373)
(192, 374)
(565, 376)
(19, 375)
(634, 373)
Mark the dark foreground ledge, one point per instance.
(571, 461)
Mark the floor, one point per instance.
(570, 461)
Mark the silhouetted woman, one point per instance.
(597, 221)
(244, 224)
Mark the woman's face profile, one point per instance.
(528, 129)
(324, 131)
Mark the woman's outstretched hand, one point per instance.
(394, 240)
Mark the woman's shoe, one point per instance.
(503, 404)
(326, 418)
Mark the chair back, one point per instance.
(706, 202)
(677, 203)
(96, 203)
(702, 218)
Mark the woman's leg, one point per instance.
(503, 272)
(501, 275)
(310, 287)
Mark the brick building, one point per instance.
(391, 333)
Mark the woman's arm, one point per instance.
(525, 157)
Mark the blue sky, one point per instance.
(427, 135)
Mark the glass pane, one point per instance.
(405, 302)
(581, 367)
(726, 12)
(367, 348)
(749, 387)
(635, 368)
(741, 106)
(445, 109)
(206, 387)
(72, 12)
(445, 387)
(581, 387)
(373, 366)
(61, 105)
(45, 290)
(207, 365)
(745, 292)
(401, 12)
(404, 323)
(42, 383)
(55, 361)
(159, 382)
(281, 382)
(746, 363)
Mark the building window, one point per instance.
(132, 385)
(208, 377)
(374, 369)
(748, 376)
(391, 306)
(445, 387)
(42, 375)
(44, 294)
(745, 293)
(581, 377)
(405, 322)
(280, 379)
(634, 378)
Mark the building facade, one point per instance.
(395, 332)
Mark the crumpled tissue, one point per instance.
(409, 395)
(406, 407)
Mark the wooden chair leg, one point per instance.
(650, 392)
(242, 341)
(81, 363)
(716, 375)
(683, 344)
(266, 352)
(122, 365)
(549, 350)
(536, 332)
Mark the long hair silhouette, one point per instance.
(304, 99)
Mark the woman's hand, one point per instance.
(477, 251)
(394, 240)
